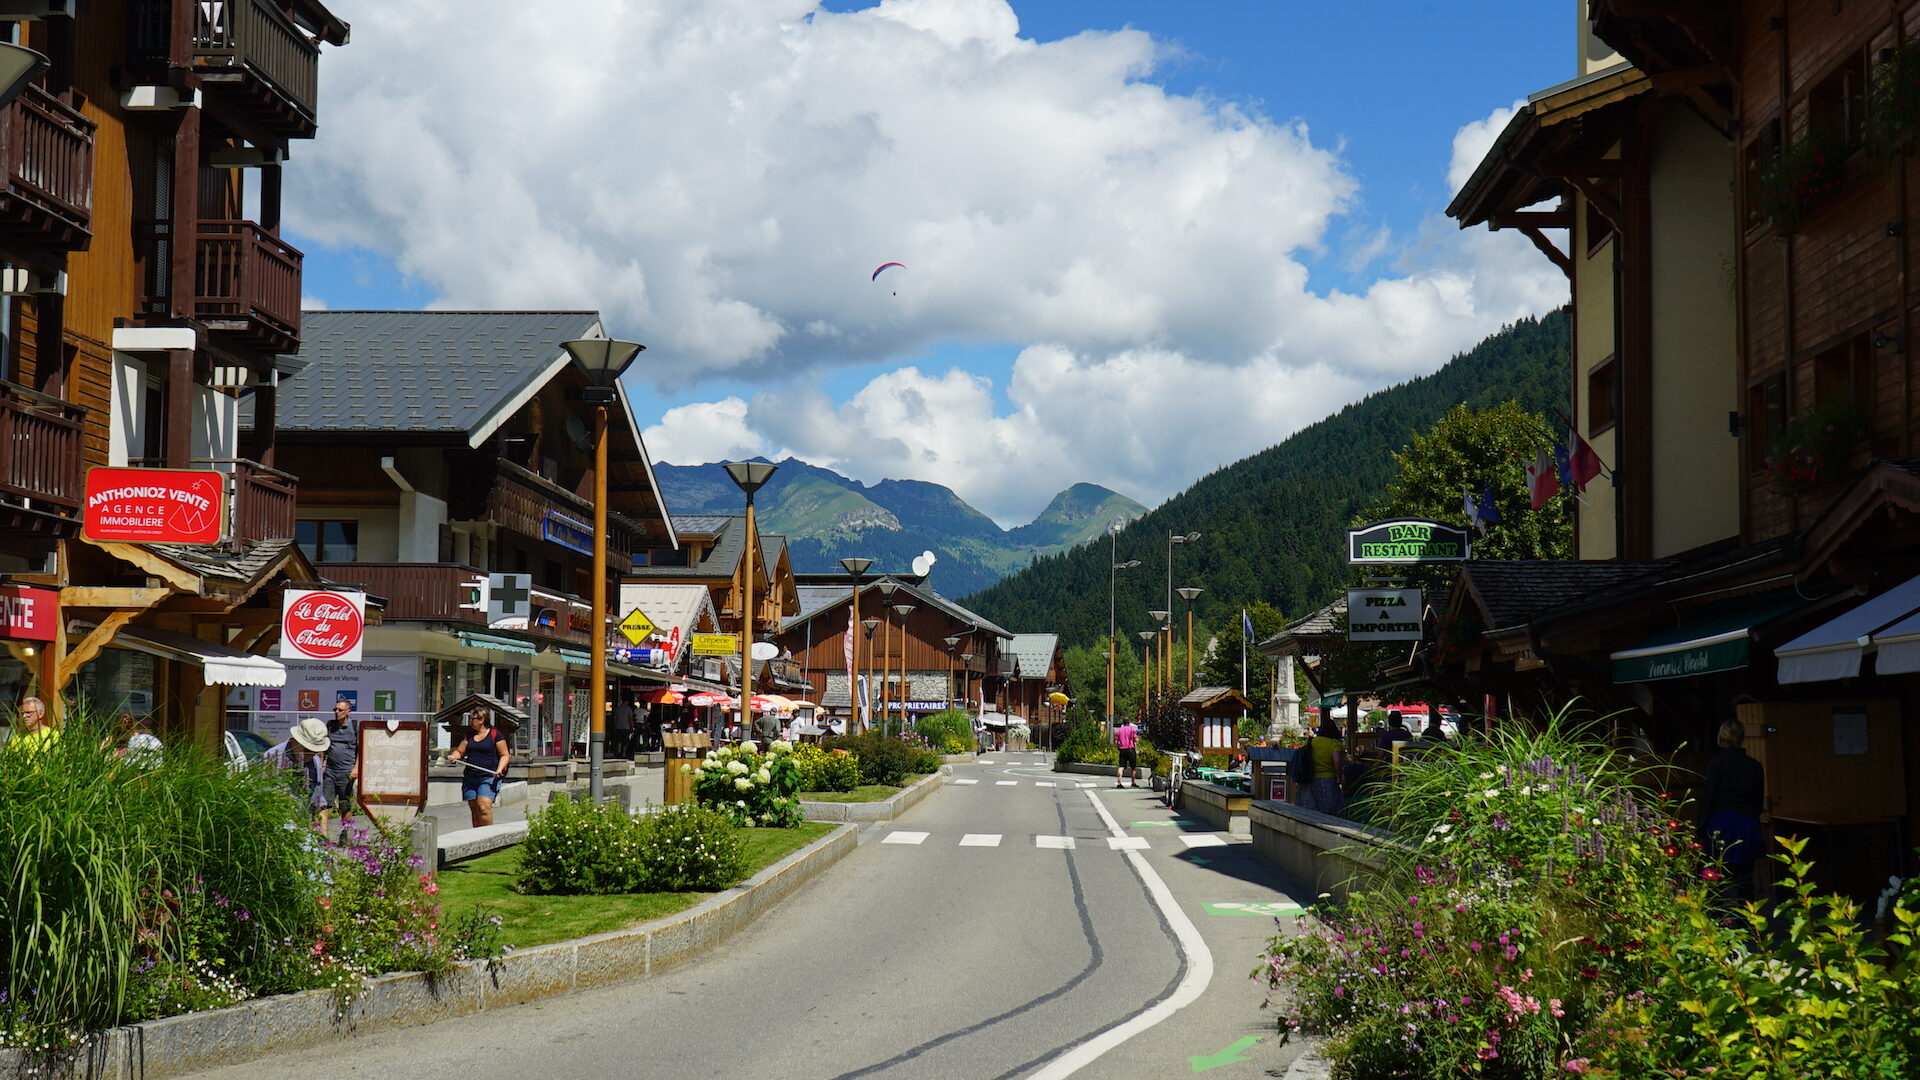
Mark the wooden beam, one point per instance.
(243, 618)
(1717, 116)
(251, 638)
(1537, 219)
(1606, 204)
(92, 596)
(151, 564)
(90, 647)
(1582, 169)
(1546, 247)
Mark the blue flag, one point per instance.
(1246, 625)
(1485, 511)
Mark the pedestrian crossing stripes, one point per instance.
(1016, 783)
(1043, 783)
(966, 781)
(1047, 842)
(1006, 783)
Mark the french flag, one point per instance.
(1543, 477)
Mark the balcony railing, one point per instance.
(40, 448)
(412, 590)
(248, 54)
(246, 280)
(521, 500)
(46, 154)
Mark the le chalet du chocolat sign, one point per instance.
(1406, 542)
(322, 624)
(155, 506)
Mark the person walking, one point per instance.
(33, 732)
(1730, 806)
(1127, 738)
(303, 754)
(485, 756)
(343, 765)
(620, 727)
(1321, 791)
(1395, 732)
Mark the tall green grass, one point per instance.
(109, 869)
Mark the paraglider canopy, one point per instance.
(885, 267)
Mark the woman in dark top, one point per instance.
(484, 754)
(1730, 807)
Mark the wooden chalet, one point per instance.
(439, 448)
(1039, 669)
(143, 311)
(712, 553)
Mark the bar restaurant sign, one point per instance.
(1384, 614)
(1406, 541)
(155, 506)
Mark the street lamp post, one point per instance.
(952, 644)
(1146, 689)
(1164, 671)
(748, 476)
(903, 610)
(856, 569)
(870, 624)
(887, 588)
(602, 360)
(1189, 593)
(1114, 566)
(966, 678)
(1173, 540)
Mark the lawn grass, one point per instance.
(487, 882)
(863, 793)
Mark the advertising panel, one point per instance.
(322, 624)
(28, 614)
(1385, 614)
(155, 506)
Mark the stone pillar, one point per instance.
(1286, 702)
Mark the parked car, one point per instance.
(245, 747)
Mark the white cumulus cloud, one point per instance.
(720, 178)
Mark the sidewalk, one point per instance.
(647, 785)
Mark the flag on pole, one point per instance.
(1246, 635)
(1468, 506)
(1584, 463)
(1543, 478)
(1485, 513)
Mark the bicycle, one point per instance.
(1179, 764)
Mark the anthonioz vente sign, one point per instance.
(1406, 542)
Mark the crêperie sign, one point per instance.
(1406, 541)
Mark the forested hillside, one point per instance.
(1273, 525)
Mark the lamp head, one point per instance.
(1191, 537)
(1148, 635)
(855, 567)
(887, 588)
(602, 359)
(1159, 616)
(1128, 565)
(870, 624)
(19, 66)
(1189, 592)
(954, 641)
(903, 610)
(750, 475)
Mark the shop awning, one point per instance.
(1719, 639)
(1833, 649)
(496, 643)
(220, 665)
(1897, 648)
(576, 658)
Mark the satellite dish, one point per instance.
(765, 650)
(577, 431)
(923, 563)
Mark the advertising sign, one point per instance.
(322, 624)
(568, 533)
(393, 767)
(636, 626)
(28, 614)
(1406, 541)
(155, 506)
(1385, 614)
(715, 644)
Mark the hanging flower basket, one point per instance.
(1811, 451)
(1893, 103)
(1799, 178)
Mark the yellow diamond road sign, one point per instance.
(636, 626)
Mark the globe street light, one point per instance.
(1189, 593)
(856, 569)
(601, 360)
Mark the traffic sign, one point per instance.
(636, 626)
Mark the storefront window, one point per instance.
(16, 682)
(120, 681)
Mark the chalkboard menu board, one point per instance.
(393, 763)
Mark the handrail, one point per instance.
(255, 34)
(40, 440)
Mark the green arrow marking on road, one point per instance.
(1236, 1052)
(1269, 910)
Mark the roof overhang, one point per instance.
(220, 665)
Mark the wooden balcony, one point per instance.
(532, 505)
(412, 590)
(246, 283)
(263, 497)
(250, 56)
(46, 155)
(41, 482)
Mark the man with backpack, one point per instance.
(1314, 769)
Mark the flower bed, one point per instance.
(753, 788)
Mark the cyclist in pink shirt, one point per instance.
(1127, 738)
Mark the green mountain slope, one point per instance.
(826, 516)
(1273, 525)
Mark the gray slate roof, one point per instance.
(1033, 654)
(720, 561)
(1512, 592)
(419, 371)
(245, 564)
(701, 524)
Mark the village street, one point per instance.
(1015, 915)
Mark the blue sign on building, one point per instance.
(568, 533)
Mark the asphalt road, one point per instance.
(1017, 924)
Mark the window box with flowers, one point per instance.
(1800, 177)
(1811, 451)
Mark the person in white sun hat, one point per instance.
(303, 756)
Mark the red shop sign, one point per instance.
(28, 614)
(164, 506)
(319, 624)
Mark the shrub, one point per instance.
(754, 788)
(690, 848)
(883, 759)
(826, 770)
(950, 732)
(576, 847)
(379, 914)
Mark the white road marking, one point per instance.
(984, 761)
(976, 839)
(905, 838)
(1128, 843)
(1006, 783)
(1199, 968)
(1057, 843)
(967, 781)
(1085, 786)
(1203, 840)
(1043, 783)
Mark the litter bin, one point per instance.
(682, 748)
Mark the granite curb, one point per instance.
(1310, 1065)
(869, 812)
(183, 1044)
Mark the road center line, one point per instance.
(1199, 970)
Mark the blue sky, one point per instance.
(1381, 86)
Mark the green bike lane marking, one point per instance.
(1263, 910)
(1235, 1052)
